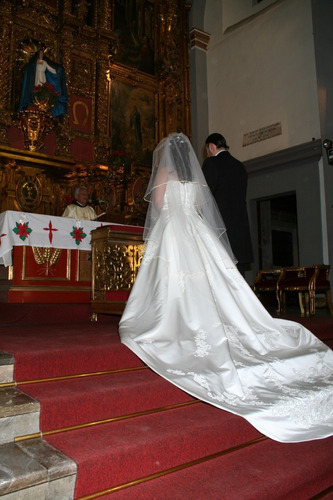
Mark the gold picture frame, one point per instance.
(134, 22)
(133, 115)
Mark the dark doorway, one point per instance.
(277, 231)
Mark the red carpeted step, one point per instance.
(111, 454)
(266, 470)
(72, 402)
(55, 350)
(65, 349)
(27, 314)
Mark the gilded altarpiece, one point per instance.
(126, 67)
(127, 79)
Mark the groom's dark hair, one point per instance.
(218, 140)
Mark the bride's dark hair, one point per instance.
(179, 150)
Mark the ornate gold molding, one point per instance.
(46, 257)
(34, 124)
(116, 258)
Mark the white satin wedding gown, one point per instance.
(194, 320)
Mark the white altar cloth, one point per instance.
(35, 230)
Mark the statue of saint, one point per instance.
(41, 69)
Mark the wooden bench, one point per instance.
(266, 282)
(306, 281)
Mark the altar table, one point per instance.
(46, 231)
(49, 257)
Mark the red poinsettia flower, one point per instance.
(46, 92)
(78, 234)
(22, 230)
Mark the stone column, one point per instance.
(199, 93)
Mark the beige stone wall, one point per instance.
(261, 72)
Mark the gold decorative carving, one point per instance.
(29, 193)
(46, 257)
(81, 10)
(85, 119)
(34, 125)
(5, 76)
(118, 267)
(81, 74)
(115, 266)
(102, 98)
(116, 258)
(43, 106)
(134, 254)
(113, 51)
(48, 263)
(106, 11)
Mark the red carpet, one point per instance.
(55, 350)
(155, 438)
(73, 402)
(145, 445)
(267, 470)
(29, 314)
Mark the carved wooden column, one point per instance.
(173, 68)
(6, 68)
(103, 142)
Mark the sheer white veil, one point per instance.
(175, 163)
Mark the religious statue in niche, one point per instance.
(45, 78)
(134, 24)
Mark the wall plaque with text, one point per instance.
(261, 134)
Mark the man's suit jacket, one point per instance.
(227, 178)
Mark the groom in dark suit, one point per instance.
(227, 179)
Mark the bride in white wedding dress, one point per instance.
(194, 320)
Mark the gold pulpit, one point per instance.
(116, 257)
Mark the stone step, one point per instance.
(6, 367)
(30, 469)
(34, 470)
(19, 414)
